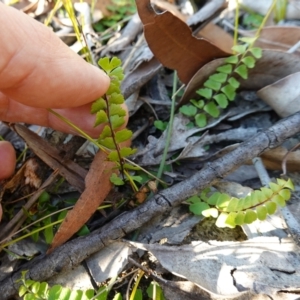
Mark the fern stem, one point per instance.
(170, 127)
(121, 160)
(132, 183)
(236, 23)
(267, 16)
(104, 149)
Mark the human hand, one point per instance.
(38, 71)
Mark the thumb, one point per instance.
(7, 160)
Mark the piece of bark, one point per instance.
(72, 253)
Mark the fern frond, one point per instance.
(110, 113)
(220, 88)
(34, 290)
(231, 211)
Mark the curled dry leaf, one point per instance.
(171, 7)
(17, 182)
(277, 37)
(173, 44)
(273, 66)
(283, 95)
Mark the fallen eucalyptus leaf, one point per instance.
(100, 171)
(173, 44)
(283, 95)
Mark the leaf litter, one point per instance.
(252, 264)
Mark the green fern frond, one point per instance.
(110, 113)
(231, 211)
(34, 290)
(220, 88)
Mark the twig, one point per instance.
(261, 171)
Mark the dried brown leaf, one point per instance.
(98, 186)
(283, 95)
(218, 36)
(173, 44)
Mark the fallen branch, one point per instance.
(74, 252)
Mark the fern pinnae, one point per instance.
(34, 290)
(222, 85)
(109, 111)
(231, 211)
(220, 88)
